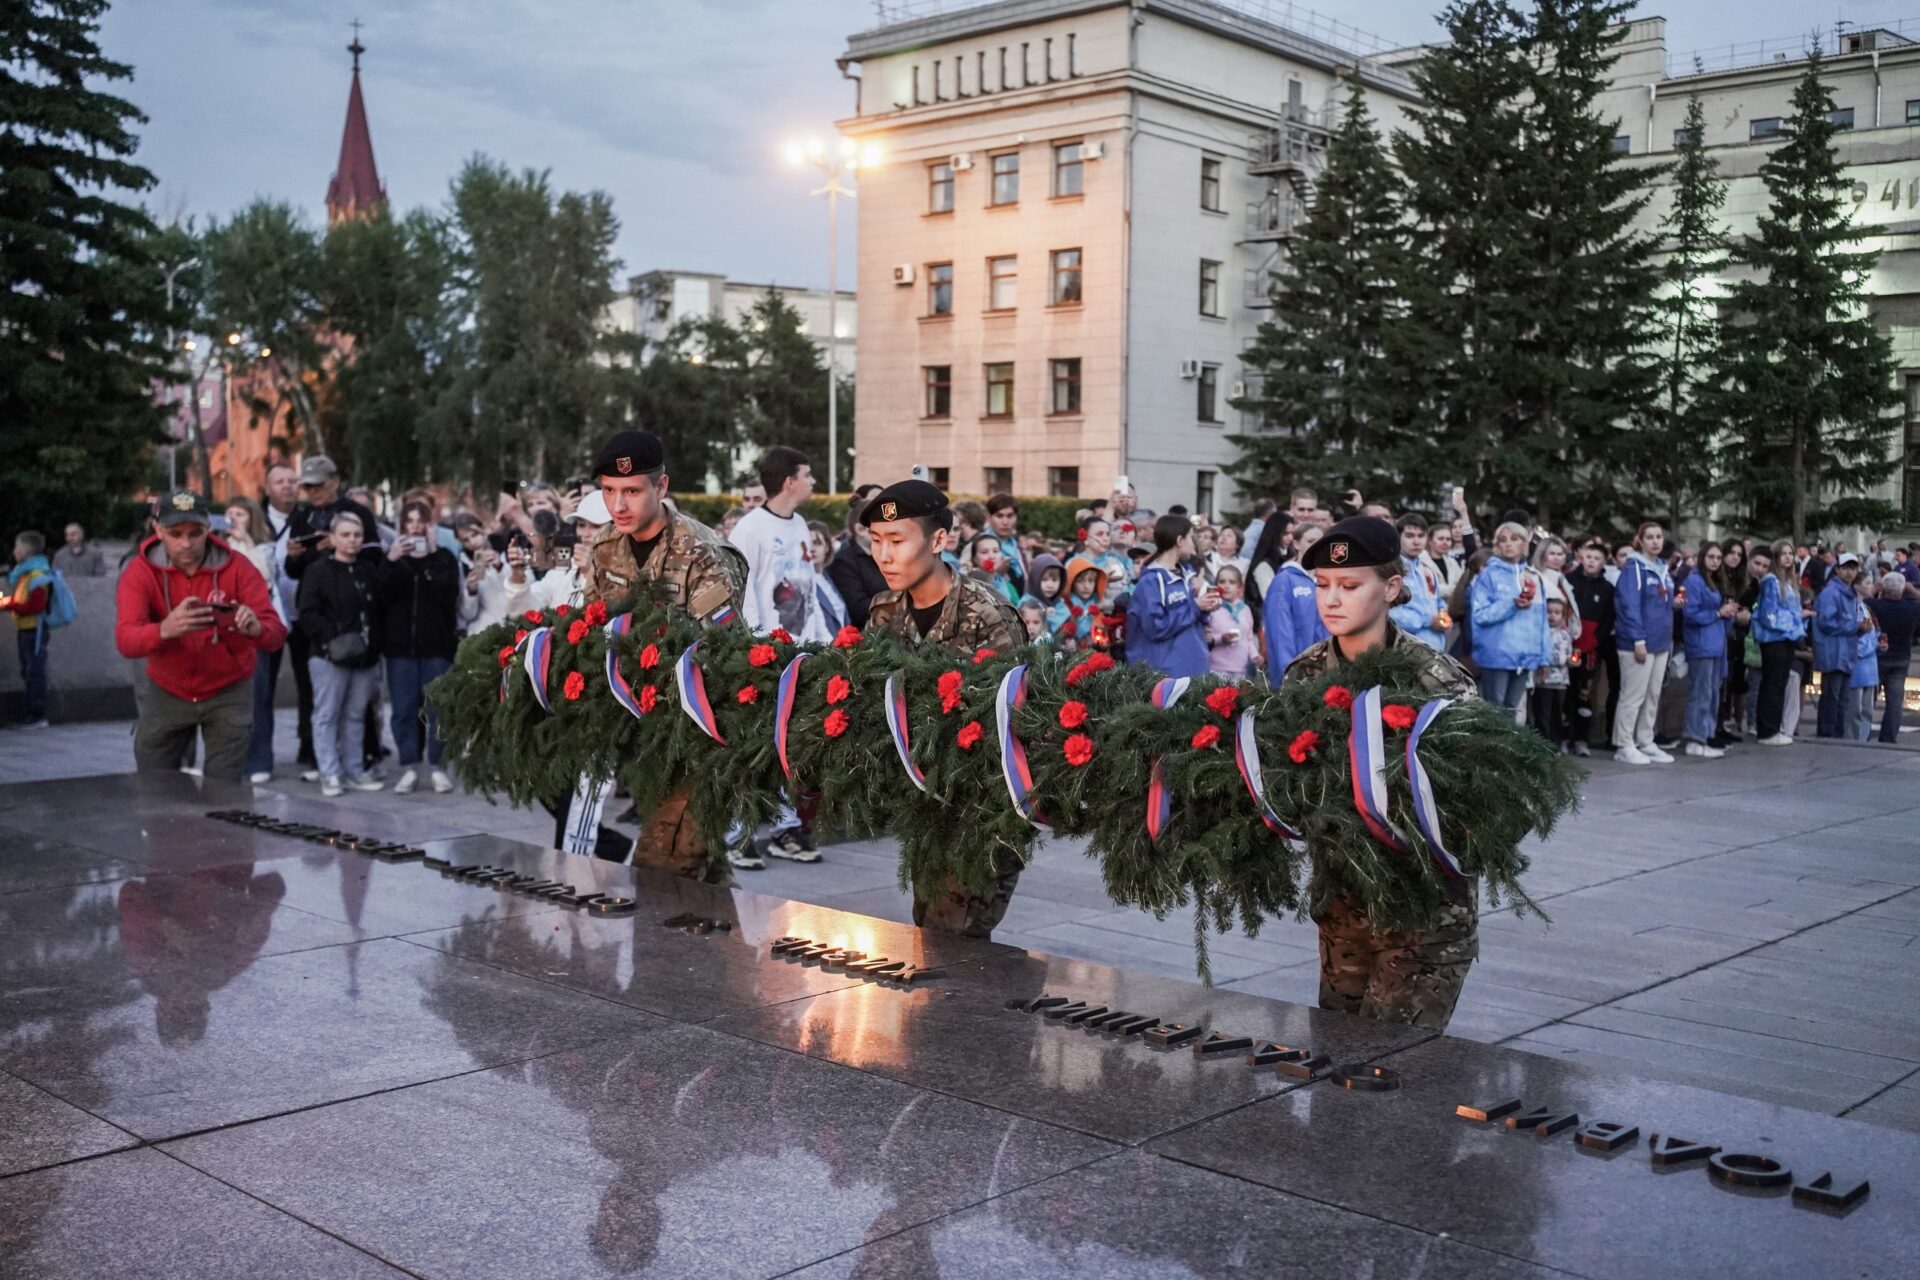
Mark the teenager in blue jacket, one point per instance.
(1509, 619)
(1863, 682)
(1706, 614)
(1166, 626)
(1423, 605)
(1289, 621)
(1778, 628)
(1643, 634)
(1838, 620)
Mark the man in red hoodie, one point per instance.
(196, 610)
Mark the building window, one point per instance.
(1686, 137)
(1069, 167)
(940, 187)
(1065, 287)
(939, 383)
(1842, 119)
(1623, 143)
(999, 396)
(1913, 110)
(1203, 493)
(1063, 482)
(1209, 288)
(997, 479)
(1209, 393)
(1763, 127)
(1003, 279)
(939, 288)
(940, 477)
(1006, 178)
(1065, 376)
(1210, 184)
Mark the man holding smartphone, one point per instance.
(198, 612)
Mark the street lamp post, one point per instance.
(173, 354)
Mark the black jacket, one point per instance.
(309, 519)
(858, 580)
(1593, 596)
(337, 598)
(418, 597)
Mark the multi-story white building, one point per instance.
(658, 300)
(1072, 236)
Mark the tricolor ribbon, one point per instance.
(693, 693)
(1367, 760)
(1425, 811)
(1246, 754)
(896, 706)
(1166, 692)
(1013, 756)
(506, 672)
(783, 710)
(622, 691)
(539, 659)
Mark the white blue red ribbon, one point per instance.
(693, 693)
(1165, 693)
(539, 660)
(896, 706)
(1367, 760)
(622, 691)
(1425, 811)
(1013, 756)
(783, 710)
(1246, 754)
(506, 672)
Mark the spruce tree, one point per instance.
(1807, 393)
(81, 304)
(1327, 382)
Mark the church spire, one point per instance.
(355, 190)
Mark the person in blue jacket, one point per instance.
(1289, 621)
(1705, 615)
(1423, 605)
(1863, 682)
(1838, 620)
(1778, 628)
(1509, 619)
(1643, 633)
(1166, 627)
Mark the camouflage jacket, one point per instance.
(1441, 675)
(691, 569)
(974, 616)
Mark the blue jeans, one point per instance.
(33, 669)
(1834, 705)
(1862, 696)
(341, 696)
(407, 680)
(266, 678)
(1504, 688)
(1703, 697)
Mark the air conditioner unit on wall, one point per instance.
(1093, 151)
(903, 274)
(963, 162)
(1239, 390)
(1189, 368)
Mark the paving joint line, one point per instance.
(1888, 1088)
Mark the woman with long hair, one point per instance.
(1270, 551)
(1167, 616)
(1778, 627)
(1643, 631)
(1737, 586)
(419, 603)
(249, 534)
(1707, 610)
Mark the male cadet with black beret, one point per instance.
(1413, 975)
(652, 552)
(928, 605)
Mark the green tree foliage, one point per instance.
(1328, 391)
(1807, 389)
(81, 303)
(262, 270)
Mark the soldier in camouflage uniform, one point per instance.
(929, 605)
(651, 552)
(1413, 975)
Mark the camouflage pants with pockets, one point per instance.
(1412, 976)
(954, 909)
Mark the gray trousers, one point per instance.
(163, 734)
(341, 696)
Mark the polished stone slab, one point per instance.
(37, 1129)
(678, 1153)
(1406, 1157)
(29, 861)
(139, 1215)
(960, 1037)
(1141, 1215)
(211, 1047)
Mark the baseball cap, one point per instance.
(181, 506)
(593, 509)
(1846, 558)
(318, 469)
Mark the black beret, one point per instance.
(907, 500)
(1358, 542)
(630, 453)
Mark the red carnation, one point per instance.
(1076, 673)
(847, 638)
(1303, 746)
(970, 733)
(1339, 697)
(1398, 717)
(650, 657)
(562, 610)
(576, 684)
(506, 654)
(533, 617)
(782, 635)
(1079, 535)
(761, 654)
(1079, 749)
(577, 630)
(835, 724)
(839, 689)
(981, 655)
(747, 694)
(520, 635)
(949, 686)
(1099, 662)
(1224, 701)
(649, 695)
(596, 614)
(1073, 715)
(1207, 737)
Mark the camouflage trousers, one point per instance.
(1413, 976)
(953, 909)
(669, 841)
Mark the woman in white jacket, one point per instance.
(1550, 558)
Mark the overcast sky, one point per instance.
(674, 107)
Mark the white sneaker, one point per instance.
(404, 787)
(331, 787)
(265, 775)
(1777, 740)
(1703, 750)
(192, 771)
(309, 775)
(365, 782)
(1656, 755)
(441, 782)
(1631, 755)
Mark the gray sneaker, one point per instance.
(793, 844)
(746, 857)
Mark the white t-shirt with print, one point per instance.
(780, 575)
